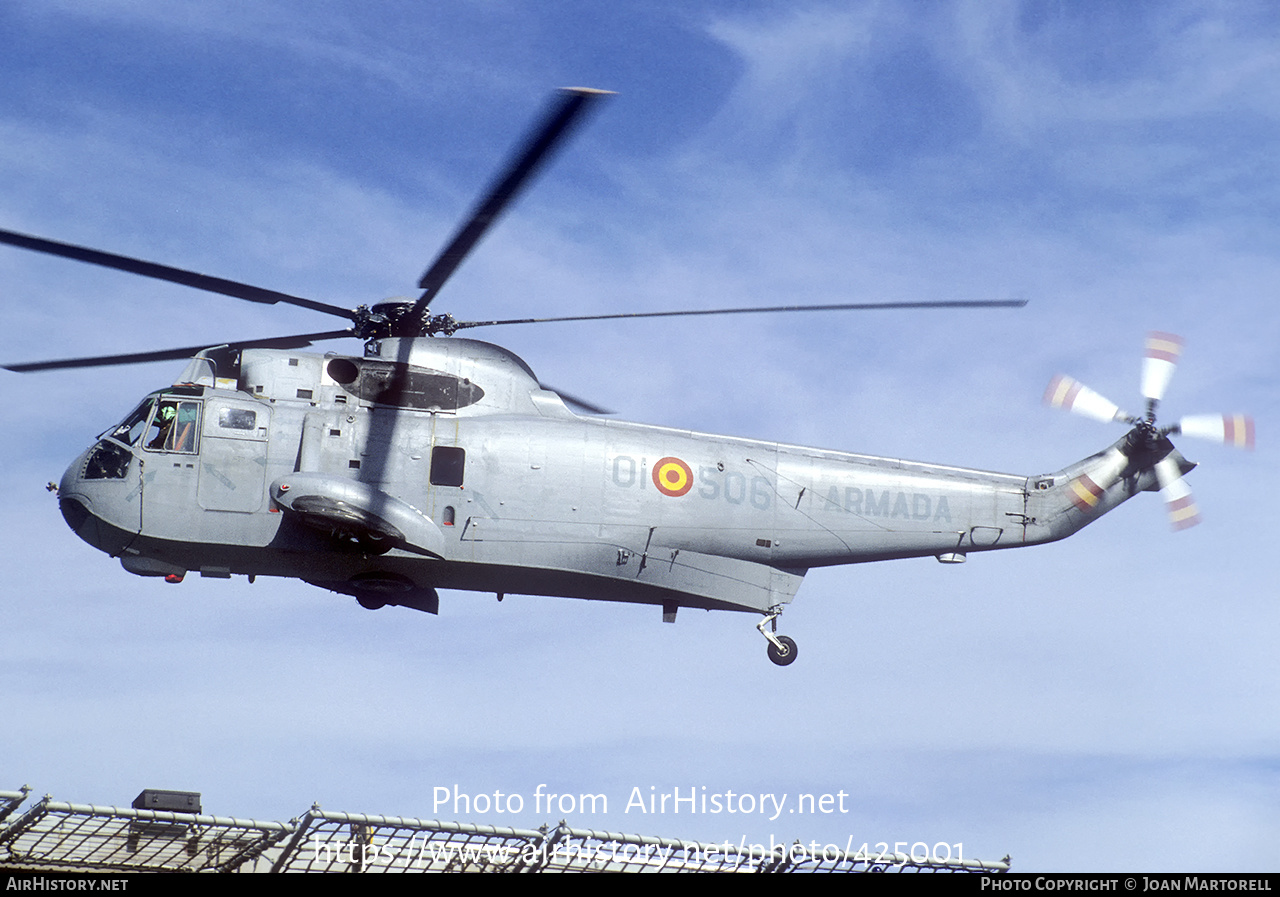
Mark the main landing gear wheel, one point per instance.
(786, 653)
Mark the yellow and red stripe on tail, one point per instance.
(1085, 493)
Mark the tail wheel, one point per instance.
(784, 655)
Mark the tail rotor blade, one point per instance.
(1235, 430)
(1072, 395)
(1163, 352)
(1178, 500)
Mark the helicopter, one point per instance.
(433, 461)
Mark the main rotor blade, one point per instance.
(165, 272)
(568, 110)
(575, 400)
(279, 342)
(848, 306)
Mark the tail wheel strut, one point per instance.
(782, 649)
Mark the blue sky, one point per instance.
(1105, 703)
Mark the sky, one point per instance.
(1106, 703)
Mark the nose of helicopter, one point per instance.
(87, 506)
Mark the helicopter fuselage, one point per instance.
(441, 463)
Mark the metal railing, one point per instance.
(53, 835)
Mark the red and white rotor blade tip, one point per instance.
(1178, 500)
(1159, 363)
(1235, 430)
(1072, 395)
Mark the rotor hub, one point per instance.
(399, 318)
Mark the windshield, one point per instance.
(129, 430)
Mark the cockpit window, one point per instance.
(130, 429)
(175, 427)
(107, 461)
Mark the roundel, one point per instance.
(672, 477)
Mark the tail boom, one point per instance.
(1067, 501)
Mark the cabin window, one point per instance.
(175, 427)
(447, 463)
(237, 419)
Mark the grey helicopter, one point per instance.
(433, 462)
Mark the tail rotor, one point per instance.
(1163, 350)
